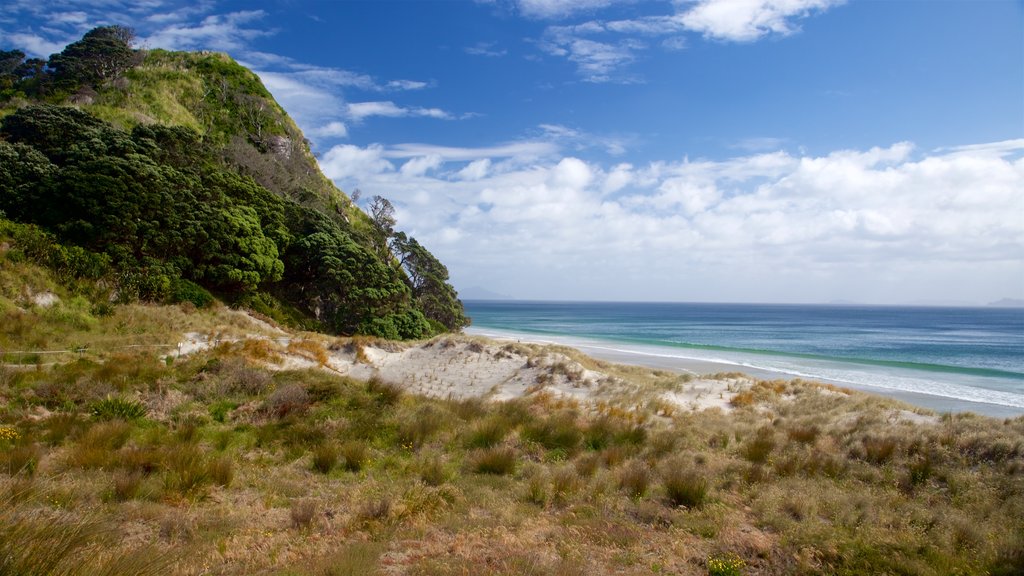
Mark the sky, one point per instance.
(790, 151)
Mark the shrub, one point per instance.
(220, 409)
(354, 455)
(22, 459)
(325, 458)
(599, 434)
(302, 513)
(536, 491)
(222, 470)
(879, 450)
(684, 488)
(634, 479)
(374, 509)
(356, 559)
(804, 434)
(290, 399)
(239, 378)
(111, 408)
(432, 470)
(487, 433)
(385, 393)
(60, 544)
(742, 399)
(555, 432)
(187, 291)
(187, 472)
(125, 485)
(498, 460)
(760, 446)
(415, 431)
(564, 483)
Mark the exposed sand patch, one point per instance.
(462, 367)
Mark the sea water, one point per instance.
(945, 358)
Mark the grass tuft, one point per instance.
(499, 460)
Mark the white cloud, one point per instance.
(862, 223)
(406, 85)
(361, 110)
(748, 20)
(421, 165)
(522, 151)
(34, 44)
(488, 49)
(226, 32)
(333, 129)
(475, 170)
(595, 61)
(559, 8)
(347, 161)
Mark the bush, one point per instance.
(635, 479)
(354, 455)
(555, 432)
(111, 408)
(187, 472)
(385, 393)
(879, 450)
(222, 470)
(187, 291)
(302, 513)
(415, 431)
(500, 461)
(291, 399)
(760, 446)
(325, 458)
(487, 433)
(687, 489)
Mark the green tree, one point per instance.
(101, 55)
(428, 278)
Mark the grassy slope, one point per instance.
(201, 90)
(237, 469)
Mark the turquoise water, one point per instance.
(967, 354)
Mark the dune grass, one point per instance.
(118, 461)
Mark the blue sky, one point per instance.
(710, 150)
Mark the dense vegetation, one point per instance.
(179, 176)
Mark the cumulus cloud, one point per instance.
(34, 44)
(910, 221)
(748, 20)
(347, 161)
(421, 165)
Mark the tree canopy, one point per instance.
(168, 212)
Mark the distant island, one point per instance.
(1007, 303)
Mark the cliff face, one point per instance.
(183, 176)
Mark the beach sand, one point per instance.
(607, 352)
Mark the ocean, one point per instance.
(947, 359)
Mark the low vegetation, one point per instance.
(135, 465)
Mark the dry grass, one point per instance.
(235, 469)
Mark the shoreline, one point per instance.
(602, 350)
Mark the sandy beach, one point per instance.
(609, 352)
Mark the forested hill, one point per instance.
(172, 176)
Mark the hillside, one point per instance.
(182, 179)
